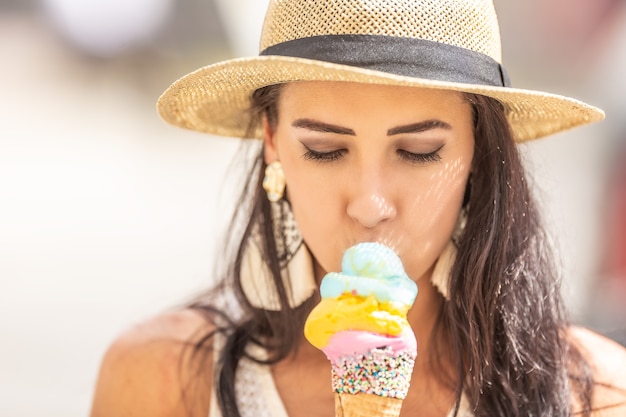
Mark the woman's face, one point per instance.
(373, 163)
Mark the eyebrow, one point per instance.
(419, 127)
(318, 126)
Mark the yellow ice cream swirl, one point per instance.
(372, 293)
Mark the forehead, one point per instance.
(334, 98)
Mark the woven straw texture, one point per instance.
(470, 24)
(366, 405)
(215, 99)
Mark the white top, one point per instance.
(256, 392)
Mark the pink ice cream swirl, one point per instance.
(361, 342)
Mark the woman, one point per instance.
(387, 121)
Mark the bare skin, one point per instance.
(350, 153)
(142, 374)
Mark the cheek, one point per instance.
(427, 224)
(438, 199)
(315, 205)
(431, 213)
(318, 213)
(317, 199)
(434, 216)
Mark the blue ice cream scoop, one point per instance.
(371, 268)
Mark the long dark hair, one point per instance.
(504, 323)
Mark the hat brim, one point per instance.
(215, 99)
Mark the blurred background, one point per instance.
(108, 215)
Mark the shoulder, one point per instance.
(608, 366)
(147, 370)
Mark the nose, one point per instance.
(371, 203)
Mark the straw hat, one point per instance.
(444, 44)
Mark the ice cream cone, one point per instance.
(361, 326)
(366, 405)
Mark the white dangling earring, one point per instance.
(442, 273)
(293, 255)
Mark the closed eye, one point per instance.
(329, 156)
(420, 157)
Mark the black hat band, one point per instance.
(410, 57)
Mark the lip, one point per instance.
(390, 243)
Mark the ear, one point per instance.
(269, 144)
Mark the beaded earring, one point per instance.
(293, 255)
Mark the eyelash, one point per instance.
(421, 157)
(311, 155)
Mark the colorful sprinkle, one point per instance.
(380, 372)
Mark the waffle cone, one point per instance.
(366, 405)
